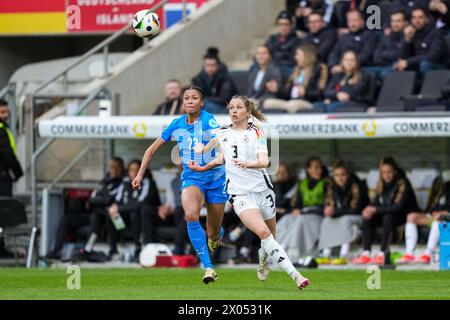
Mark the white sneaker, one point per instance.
(263, 268)
(210, 276)
(301, 282)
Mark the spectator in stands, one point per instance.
(135, 208)
(304, 86)
(321, 35)
(10, 169)
(172, 105)
(265, 78)
(423, 47)
(344, 202)
(394, 199)
(101, 198)
(216, 82)
(298, 232)
(306, 7)
(389, 48)
(339, 18)
(439, 10)
(409, 5)
(282, 45)
(175, 214)
(361, 41)
(440, 206)
(347, 88)
(284, 188)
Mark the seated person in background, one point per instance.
(423, 48)
(282, 45)
(340, 9)
(284, 188)
(298, 232)
(322, 36)
(306, 7)
(347, 88)
(304, 86)
(389, 49)
(265, 78)
(409, 5)
(439, 10)
(100, 199)
(393, 200)
(166, 213)
(216, 82)
(362, 42)
(173, 104)
(344, 203)
(135, 208)
(440, 206)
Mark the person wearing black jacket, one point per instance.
(304, 86)
(423, 48)
(10, 169)
(344, 202)
(322, 36)
(393, 200)
(135, 208)
(347, 88)
(100, 199)
(172, 105)
(389, 49)
(216, 82)
(440, 11)
(359, 40)
(282, 45)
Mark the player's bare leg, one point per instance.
(213, 224)
(253, 220)
(192, 200)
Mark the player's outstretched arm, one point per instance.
(201, 148)
(261, 162)
(194, 166)
(148, 156)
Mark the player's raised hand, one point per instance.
(136, 183)
(194, 166)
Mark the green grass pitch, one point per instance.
(186, 284)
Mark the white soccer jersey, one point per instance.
(243, 145)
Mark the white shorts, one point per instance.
(264, 201)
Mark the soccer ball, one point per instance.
(146, 24)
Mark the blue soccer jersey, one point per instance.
(188, 136)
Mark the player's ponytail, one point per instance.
(252, 107)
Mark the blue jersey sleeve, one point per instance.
(212, 126)
(166, 135)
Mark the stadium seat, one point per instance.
(240, 79)
(429, 97)
(395, 87)
(422, 181)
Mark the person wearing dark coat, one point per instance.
(322, 36)
(216, 82)
(423, 47)
(282, 45)
(440, 11)
(361, 41)
(173, 104)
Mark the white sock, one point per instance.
(411, 236)
(433, 238)
(277, 255)
(366, 253)
(326, 253)
(345, 249)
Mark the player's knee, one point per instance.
(191, 216)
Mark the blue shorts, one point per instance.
(214, 191)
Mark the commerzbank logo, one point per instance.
(369, 128)
(139, 130)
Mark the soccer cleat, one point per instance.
(324, 260)
(263, 268)
(406, 259)
(424, 259)
(378, 260)
(301, 282)
(210, 276)
(339, 261)
(213, 245)
(362, 259)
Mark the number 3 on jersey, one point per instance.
(235, 151)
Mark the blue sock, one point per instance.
(198, 240)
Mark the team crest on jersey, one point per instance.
(241, 204)
(245, 139)
(213, 123)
